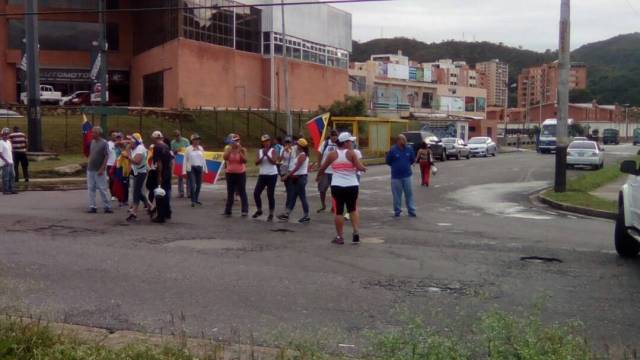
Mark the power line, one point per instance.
(633, 7)
(175, 8)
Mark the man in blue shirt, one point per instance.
(400, 158)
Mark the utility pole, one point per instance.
(102, 52)
(563, 97)
(626, 119)
(34, 124)
(286, 74)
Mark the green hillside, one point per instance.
(614, 64)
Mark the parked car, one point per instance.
(585, 153)
(636, 136)
(77, 98)
(48, 95)
(627, 230)
(580, 138)
(482, 146)
(456, 148)
(415, 138)
(611, 136)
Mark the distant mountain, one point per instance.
(613, 65)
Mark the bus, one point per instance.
(547, 141)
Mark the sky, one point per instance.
(532, 24)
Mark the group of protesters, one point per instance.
(13, 155)
(123, 164)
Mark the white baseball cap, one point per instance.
(157, 135)
(345, 136)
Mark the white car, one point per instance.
(482, 146)
(585, 153)
(48, 95)
(627, 231)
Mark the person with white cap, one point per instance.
(138, 158)
(163, 159)
(6, 163)
(297, 178)
(344, 185)
(236, 175)
(266, 160)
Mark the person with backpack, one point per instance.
(324, 181)
(266, 160)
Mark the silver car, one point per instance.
(585, 153)
(456, 148)
(482, 146)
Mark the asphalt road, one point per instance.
(235, 278)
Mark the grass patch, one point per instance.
(45, 168)
(579, 188)
(496, 335)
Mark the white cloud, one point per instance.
(532, 24)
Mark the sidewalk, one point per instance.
(610, 191)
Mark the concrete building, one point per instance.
(206, 57)
(540, 84)
(494, 77)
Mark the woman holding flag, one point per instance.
(195, 165)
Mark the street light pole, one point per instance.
(560, 184)
(104, 83)
(286, 74)
(34, 124)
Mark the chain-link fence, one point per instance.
(61, 126)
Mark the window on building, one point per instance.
(113, 36)
(159, 26)
(153, 89)
(62, 4)
(58, 35)
(427, 100)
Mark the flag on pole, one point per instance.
(86, 135)
(23, 63)
(317, 128)
(95, 69)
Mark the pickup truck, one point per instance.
(48, 95)
(627, 230)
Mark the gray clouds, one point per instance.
(532, 24)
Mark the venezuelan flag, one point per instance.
(317, 128)
(86, 136)
(178, 165)
(215, 164)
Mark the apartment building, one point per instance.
(540, 84)
(493, 76)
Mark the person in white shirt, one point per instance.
(111, 159)
(138, 156)
(195, 165)
(6, 163)
(267, 160)
(297, 178)
(324, 182)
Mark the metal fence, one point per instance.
(61, 126)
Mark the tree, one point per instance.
(576, 130)
(350, 106)
(581, 96)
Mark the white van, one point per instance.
(548, 139)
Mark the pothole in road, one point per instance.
(208, 244)
(419, 287)
(540, 259)
(282, 230)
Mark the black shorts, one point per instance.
(344, 196)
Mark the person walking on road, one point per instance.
(178, 146)
(97, 172)
(324, 181)
(111, 161)
(297, 176)
(400, 158)
(19, 145)
(236, 173)
(195, 166)
(344, 185)
(266, 160)
(6, 163)
(138, 159)
(425, 160)
(286, 158)
(163, 159)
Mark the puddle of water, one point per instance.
(208, 244)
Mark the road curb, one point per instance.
(575, 209)
(121, 338)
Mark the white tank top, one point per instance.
(266, 167)
(344, 172)
(304, 169)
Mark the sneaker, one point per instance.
(356, 239)
(270, 218)
(283, 216)
(92, 211)
(132, 217)
(244, 214)
(347, 217)
(304, 220)
(322, 209)
(108, 211)
(338, 241)
(113, 198)
(257, 214)
(198, 203)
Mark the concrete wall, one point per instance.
(164, 59)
